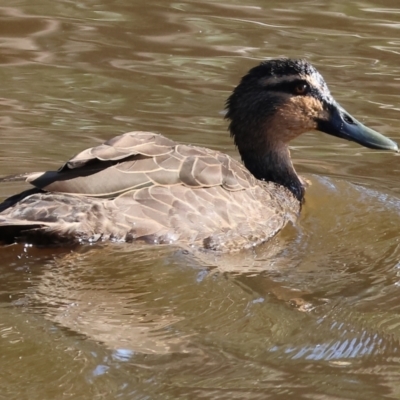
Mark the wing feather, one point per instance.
(141, 159)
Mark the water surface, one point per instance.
(314, 314)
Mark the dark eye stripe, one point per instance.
(287, 86)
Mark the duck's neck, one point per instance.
(273, 164)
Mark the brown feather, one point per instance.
(144, 186)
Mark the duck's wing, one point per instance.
(141, 159)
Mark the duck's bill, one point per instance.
(341, 124)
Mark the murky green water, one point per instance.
(312, 315)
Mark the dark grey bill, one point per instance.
(343, 125)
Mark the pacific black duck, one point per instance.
(143, 186)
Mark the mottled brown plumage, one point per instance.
(143, 186)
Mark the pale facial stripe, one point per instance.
(314, 80)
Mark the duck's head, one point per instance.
(279, 100)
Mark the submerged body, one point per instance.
(144, 186)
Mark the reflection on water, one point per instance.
(312, 314)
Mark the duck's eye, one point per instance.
(301, 88)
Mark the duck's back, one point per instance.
(144, 186)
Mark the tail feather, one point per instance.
(37, 233)
(11, 231)
(10, 201)
(17, 178)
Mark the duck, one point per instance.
(142, 186)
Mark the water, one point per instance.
(312, 315)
